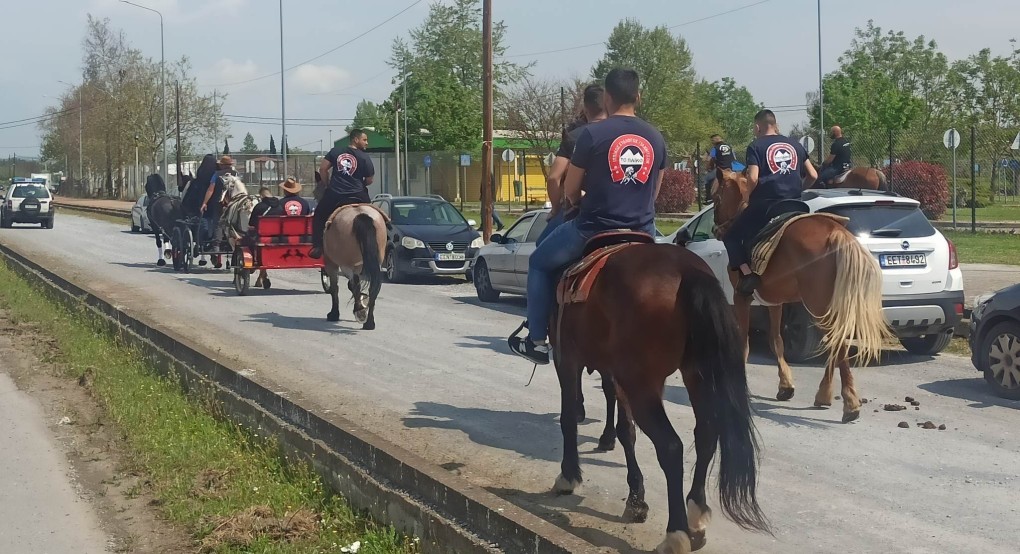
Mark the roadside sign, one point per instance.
(1016, 143)
(249, 166)
(951, 139)
(465, 160)
(509, 156)
(427, 160)
(270, 164)
(808, 143)
(550, 158)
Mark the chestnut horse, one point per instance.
(653, 309)
(353, 244)
(819, 262)
(867, 178)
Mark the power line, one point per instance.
(39, 117)
(678, 25)
(236, 116)
(326, 53)
(356, 85)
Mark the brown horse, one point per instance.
(651, 310)
(353, 245)
(867, 178)
(819, 262)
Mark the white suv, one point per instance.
(27, 201)
(922, 290)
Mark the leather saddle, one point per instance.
(577, 280)
(781, 215)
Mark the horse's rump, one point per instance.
(341, 248)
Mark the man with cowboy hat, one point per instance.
(292, 202)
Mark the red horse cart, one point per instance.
(280, 242)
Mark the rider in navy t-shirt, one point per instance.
(617, 163)
(781, 167)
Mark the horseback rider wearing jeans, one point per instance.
(838, 162)
(352, 173)
(778, 168)
(618, 164)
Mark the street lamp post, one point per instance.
(407, 174)
(162, 83)
(821, 98)
(283, 96)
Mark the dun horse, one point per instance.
(354, 244)
(867, 178)
(819, 262)
(653, 309)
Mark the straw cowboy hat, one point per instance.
(227, 161)
(291, 186)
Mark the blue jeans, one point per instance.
(561, 247)
(553, 223)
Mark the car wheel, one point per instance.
(393, 273)
(483, 283)
(801, 336)
(999, 359)
(49, 223)
(928, 345)
(5, 222)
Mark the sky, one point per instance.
(770, 46)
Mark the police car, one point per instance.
(922, 289)
(27, 201)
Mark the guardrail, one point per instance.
(395, 486)
(111, 212)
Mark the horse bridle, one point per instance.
(720, 229)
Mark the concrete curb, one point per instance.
(395, 486)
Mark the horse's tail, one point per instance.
(365, 234)
(883, 183)
(855, 311)
(714, 347)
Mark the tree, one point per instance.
(272, 146)
(531, 109)
(443, 57)
(226, 147)
(249, 146)
(368, 114)
(731, 106)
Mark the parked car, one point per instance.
(140, 215)
(502, 265)
(27, 201)
(995, 340)
(922, 289)
(428, 236)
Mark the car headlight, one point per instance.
(411, 243)
(478, 243)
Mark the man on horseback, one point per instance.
(720, 156)
(778, 169)
(593, 111)
(838, 162)
(352, 173)
(618, 164)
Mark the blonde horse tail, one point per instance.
(855, 311)
(883, 183)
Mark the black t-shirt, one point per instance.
(723, 156)
(350, 168)
(780, 164)
(266, 206)
(622, 157)
(295, 205)
(569, 138)
(841, 154)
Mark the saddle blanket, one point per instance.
(766, 242)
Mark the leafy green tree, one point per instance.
(368, 114)
(249, 146)
(731, 106)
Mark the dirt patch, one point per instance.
(245, 528)
(210, 483)
(101, 472)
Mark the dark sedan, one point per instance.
(995, 340)
(428, 237)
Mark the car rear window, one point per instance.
(30, 191)
(889, 221)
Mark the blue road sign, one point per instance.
(427, 160)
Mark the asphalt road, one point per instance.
(436, 378)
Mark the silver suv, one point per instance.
(922, 290)
(27, 201)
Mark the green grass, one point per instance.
(173, 439)
(985, 248)
(996, 212)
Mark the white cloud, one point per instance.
(316, 79)
(227, 70)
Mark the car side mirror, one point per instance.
(496, 238)
(472, 223)
(683, 236)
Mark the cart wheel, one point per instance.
(178, 249)
(242, 280)
(324, 277)
(189, 248)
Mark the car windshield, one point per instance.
(896, 221)
(30, 191)
(425, 212)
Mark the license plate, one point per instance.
(449, 256)
(903, 260)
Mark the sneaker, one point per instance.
(747, 284)
(315, 253)
(525, 348)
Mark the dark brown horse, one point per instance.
(867, 178)
(819, 262)
(654, 309)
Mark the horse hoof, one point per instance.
(676, 542)
(698, 519)
(581, 416)
(361, 316)
(606, 443)
(564, 486)
(784, 394)
(369, 326)
(823, 404)
(698, 540)
(636, 511)
(161, 262)
(266, 283)
(851, 416)
(332, 317)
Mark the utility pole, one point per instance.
(821, 93)
(177, 125)
(486, 192)
(563, 107)
(283, 96)
(396, 144)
